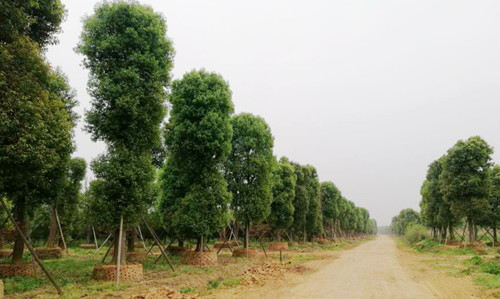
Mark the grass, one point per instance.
(231, 282)
(483, 270)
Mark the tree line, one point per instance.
(461, 189)
(194, 168)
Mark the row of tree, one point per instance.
(204, 168)
(462, 186)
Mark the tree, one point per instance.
(38, 20)
(464, 179)
(249, 168)
(301, 200)
(129, 59)
(403, 220)
(35, 126)
(283, 191)
(68, 206)
(494, 200)
(435, 211)
(314, 220)
(193, 192)
(330, 197)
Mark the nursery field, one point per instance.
(74, 274)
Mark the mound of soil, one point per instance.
(242, 252)
(5, 253)
(278, 245)
(161, 293)
(49, 253)
(259, 274)
(88, 246)
(127, 272)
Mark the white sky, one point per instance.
(369, 92)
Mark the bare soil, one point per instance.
(375, 269)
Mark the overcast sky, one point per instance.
(369, 92)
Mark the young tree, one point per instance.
(129, 59)
(67, 207)
(464, 179)
(284, 180)
(193, 192)
(249, 168)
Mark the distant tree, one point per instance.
(193, 193)
(435, 211)
(129, 59)
(490, 216)
(314, 219)
(330, 198)
(249, 169)
(364, 219)
(372, 227)
(464, 179)
(403, 220)
(301, 199)
(284, 180)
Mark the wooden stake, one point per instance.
(230, 247)
(158, 243)
(107, 252)
(201, 251)
(95, 238)
(31, 249)
(61, 233)
(102, 245)
(120, 238)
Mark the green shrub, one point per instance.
(476, 260)
(492, 268)
(415, 233)
(213, 284)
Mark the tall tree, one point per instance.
(284, 180)
(129, 59)
(249, 168)
(193, 193)
(35, 126)
(464, 179)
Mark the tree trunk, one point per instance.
(88, 234)
(305, 235)
(495, 241)
(198, 244)
(51, 242)
(278, 234)
(450, 229)
(20, 213)
(181, 242)
(471, 228)
(123, 258)
(247, 235)
(236, 229)
(131, 240)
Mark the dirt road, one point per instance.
(375, 269)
